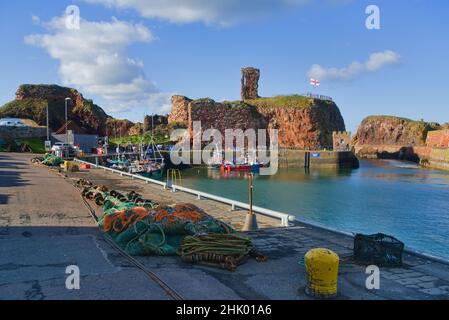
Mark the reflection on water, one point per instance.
(397, 170)
(282, 175)
(389, 196)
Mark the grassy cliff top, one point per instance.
(281, 101)
(387, 117)
(210, 102)
(288, 101)
(26, 86)
(417, 124)
(34, 109)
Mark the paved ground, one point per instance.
(44, 227)
(35, 251)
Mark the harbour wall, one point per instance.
(291, 158)
(437, 158)
(294, 158)
(434, 153)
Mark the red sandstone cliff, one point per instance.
(32, 100)
(118, 127)
(85, 116)
(380, 136)
(302, 122)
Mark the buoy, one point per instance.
(322, 273)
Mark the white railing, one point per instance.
(285, 218)
(318, 96)
(121, 173)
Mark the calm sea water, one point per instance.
(393, 197)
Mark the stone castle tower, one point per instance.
(250, 79)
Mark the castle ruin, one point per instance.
(250, 85)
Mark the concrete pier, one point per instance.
(44, 227)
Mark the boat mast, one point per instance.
(142, 156)
(152, 144)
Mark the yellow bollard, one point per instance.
(322, 272)
(67, 165)
(70, 166)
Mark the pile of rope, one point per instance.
(143, 227)
(37, 160)
(226, 251)
(48, 160)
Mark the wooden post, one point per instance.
(250, 192)
(250, 220)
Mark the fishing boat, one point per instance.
(151, 163)
(148, 162)
(248, 162)
(240, 167)
(148, 167)
(120, 163)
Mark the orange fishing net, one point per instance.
(120, 220)
(186, 207)
(185, 212)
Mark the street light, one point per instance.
(48, 132)
(47, 144)
(66, 131)
(66, 134)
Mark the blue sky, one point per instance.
(130, 56)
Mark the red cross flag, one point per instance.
(314, 82)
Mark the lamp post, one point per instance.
(48, 132)
(66, 131)
(47, 144)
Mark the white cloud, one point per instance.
(222, 12)
(375, 62)
(379, 59)
(94, 60)
(35, 20)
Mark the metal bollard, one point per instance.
(322, 273)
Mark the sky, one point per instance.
(131, 56)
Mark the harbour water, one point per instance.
(389, 196)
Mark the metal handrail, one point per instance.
(285, 218)
(121, 173)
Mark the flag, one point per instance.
(314, 82)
